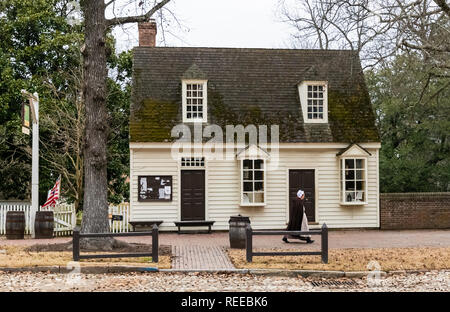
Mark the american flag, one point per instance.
(53, 194)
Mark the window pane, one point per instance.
(259, 186)
(350, 185)
(189, 86)
(349, 163)
(360, 174)
(359, 185)
(248, 164)
(194, 87)
(259, 197)
(248, 175)
(259, 175)
(200, 87)
(360, 196)
(349, 174)
(246, 198)
(258, 164)
(248, 186)
(350, 196)
(359, 163)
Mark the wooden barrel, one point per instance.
(15, 224)
(43, 224)
(236, 232)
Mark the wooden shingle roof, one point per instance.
(251, 86)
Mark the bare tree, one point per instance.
(376, 29)
(64, 149)
(95, 204)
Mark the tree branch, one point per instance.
(443, 5)
(109, 2)
(135, 19)
(426, 47)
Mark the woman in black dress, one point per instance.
(296, 217)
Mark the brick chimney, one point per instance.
(147, 33)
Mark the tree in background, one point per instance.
(414, 124)
(36, 47)
(40, 51)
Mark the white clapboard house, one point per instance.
(327, 141)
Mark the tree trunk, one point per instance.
(95, 203)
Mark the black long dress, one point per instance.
(295, 217)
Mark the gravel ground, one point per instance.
(427, 281)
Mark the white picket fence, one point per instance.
(14, 207)
(65, 218)
(122, 226)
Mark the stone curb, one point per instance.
(267, 272)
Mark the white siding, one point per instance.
(223, 187)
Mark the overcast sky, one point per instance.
(219, 23)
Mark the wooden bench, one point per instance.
(137, 224)
(179, 224)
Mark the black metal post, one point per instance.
(249, 242)
(76, 244)
(324, 238)
(155, 243)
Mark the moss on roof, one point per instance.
(351, 117)
(153, 121)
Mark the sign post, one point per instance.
(34, 105)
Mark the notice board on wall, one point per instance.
(154, 188)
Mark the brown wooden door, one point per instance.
(303, 179)
(192, 195)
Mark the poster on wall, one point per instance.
(154, 188)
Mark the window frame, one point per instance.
(195, 162)
(204, 84)
(303, 95)
(264, 181)
(343, 181)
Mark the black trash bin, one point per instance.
(237, 231)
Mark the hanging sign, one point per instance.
(26, 118)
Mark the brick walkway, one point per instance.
(200, 257)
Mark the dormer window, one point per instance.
(194, 100)
(314, 101)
